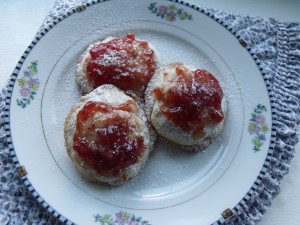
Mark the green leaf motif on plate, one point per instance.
(258, 127)
(28, 85)
(169, 12)
(121, 218)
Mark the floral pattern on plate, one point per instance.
(169, 12)
(121, 218)
(28, 84)
(258, 127)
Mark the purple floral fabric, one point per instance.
(275, 43)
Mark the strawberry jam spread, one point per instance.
(193, 101)
(104, 139)
(124, 62)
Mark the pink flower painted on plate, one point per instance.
(121, 218)
(170, 12)
(163, 9)
(25, 92)
(133, 223)
(28, 85)
(260, 119)
(258, 127)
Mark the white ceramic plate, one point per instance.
(175, 187)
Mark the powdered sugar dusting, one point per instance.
(169, 171)
(126, 62)
(112, 95)
(166, 79)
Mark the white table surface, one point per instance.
(19, 21)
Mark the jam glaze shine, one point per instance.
(192, 100)
(125, 62)
(106, 138)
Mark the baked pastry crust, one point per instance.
(163, 78)
(129, 70)
(109, 94)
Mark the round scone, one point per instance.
(107, 136)
(125, 62)
(186, 106)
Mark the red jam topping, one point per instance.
(106, 144)
(124, 62)
(193, 101)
